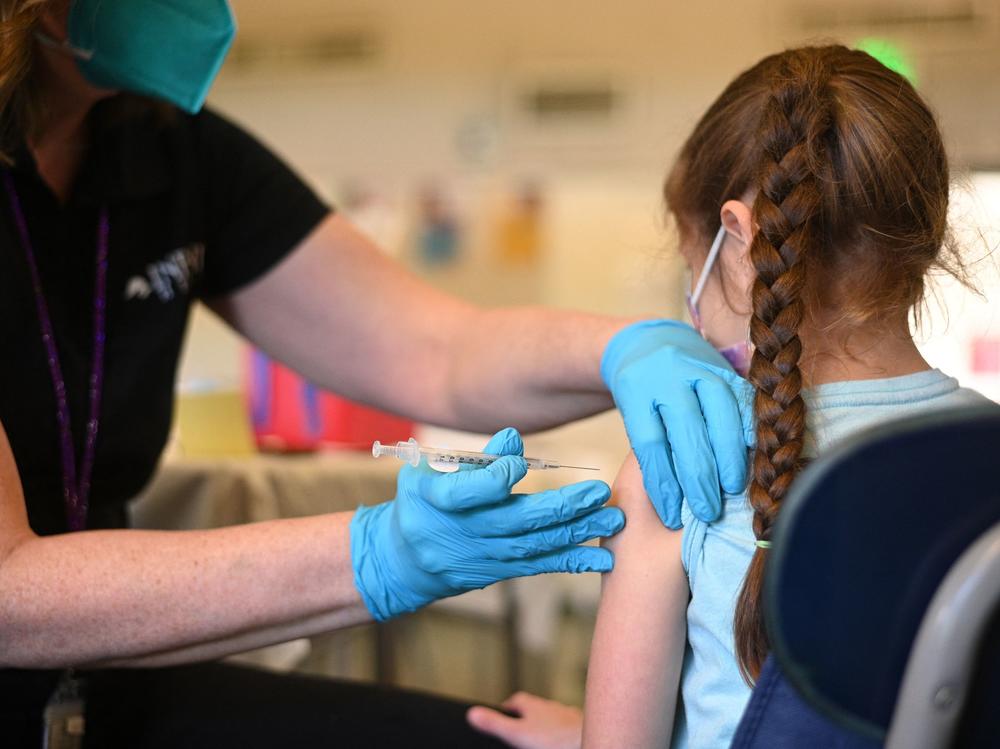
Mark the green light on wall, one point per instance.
(889, 55)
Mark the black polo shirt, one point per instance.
(198, 208)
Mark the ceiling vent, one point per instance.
(561, 103)
(967, 27)
(571, 111)
(341, 49)
(894, 15)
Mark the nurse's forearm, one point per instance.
(206, 651)
(533, 368)
(116, 596)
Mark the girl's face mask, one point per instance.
(737, 354)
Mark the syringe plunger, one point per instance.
(408, 451)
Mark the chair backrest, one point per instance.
(947, 650)
(864, 540)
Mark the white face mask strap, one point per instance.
(64, 46)
(713, 253)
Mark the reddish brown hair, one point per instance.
(19, 107)
(22, 113)
(850, 184)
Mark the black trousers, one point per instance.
(219, 706)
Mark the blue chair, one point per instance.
(882, 595)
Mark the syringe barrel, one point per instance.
(466, 457)
(410, 451)
(458, 457)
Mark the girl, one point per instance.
(821, 175)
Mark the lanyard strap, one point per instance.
(76, 486)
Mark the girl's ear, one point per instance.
(735, 255)
(737, 218)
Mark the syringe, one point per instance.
(411, 452)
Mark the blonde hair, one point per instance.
(20, 109)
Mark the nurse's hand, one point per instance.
(446, 533)
(539, 723)
(688, 415)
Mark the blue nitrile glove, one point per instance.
(446, 533)
(688, 415)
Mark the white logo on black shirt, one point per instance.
(170, 276)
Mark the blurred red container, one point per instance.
(289, 414)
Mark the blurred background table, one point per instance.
(209, 492)
(479, 646)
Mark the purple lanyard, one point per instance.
(76, 486)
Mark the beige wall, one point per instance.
(440, 101)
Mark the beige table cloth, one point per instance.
(213, 492)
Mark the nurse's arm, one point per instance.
(638, 646)
(352, 320)
(128, 597)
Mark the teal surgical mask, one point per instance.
(170, 49)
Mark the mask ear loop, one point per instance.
(64, 46)
(713, 253)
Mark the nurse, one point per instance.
(123, 201)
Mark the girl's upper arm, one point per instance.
(638, 645)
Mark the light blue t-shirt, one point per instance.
(716, 555)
